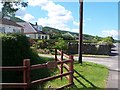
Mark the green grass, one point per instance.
(89, 76)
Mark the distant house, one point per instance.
(17, 25)
(33, 31)
(9, 26)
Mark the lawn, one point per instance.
(86, 76)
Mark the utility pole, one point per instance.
(80, 32)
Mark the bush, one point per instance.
(61, 44)
(41, 44)
(15, 48)
(107, 41)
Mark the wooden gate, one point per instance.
(26, 68)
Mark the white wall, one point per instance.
(44, 36)
(36, 36)
(11, 29)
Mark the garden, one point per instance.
(95, 46)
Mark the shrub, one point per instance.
(108, 41)
(15, 48)
(61, 44)
(41, 44)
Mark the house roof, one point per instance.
(8, 22)
(16, 19)
(27, 27)
(37, 31)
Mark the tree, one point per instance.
(9, 9)
(68, 36)
(95, 39)
(61, 44)
(108, 40)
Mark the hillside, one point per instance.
(57, 32)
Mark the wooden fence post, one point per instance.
(26, 73)
(61, 67)
(55, 54)
(71, 70)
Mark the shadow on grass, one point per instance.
(90, 83)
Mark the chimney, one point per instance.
(36, 24)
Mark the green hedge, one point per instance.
(15, 48)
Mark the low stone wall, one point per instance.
(103, 49)
(89, 49)
(72, 48)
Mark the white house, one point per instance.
(33, 31)
(8, 26)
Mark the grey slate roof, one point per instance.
(8, 22)
(40, 32)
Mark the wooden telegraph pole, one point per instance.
(80, 32)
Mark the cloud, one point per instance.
(28, 17)
(37, 2)
(75, 30)
(57, 16)
(1, 7)
(53, 23)
(76, 23)
(21, 12)
(113, 33)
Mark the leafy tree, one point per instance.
(68, 36)
(55, 36)
(108, 40)
(9, 9)
(61, 44)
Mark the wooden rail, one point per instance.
(26, 68)
(64, 65)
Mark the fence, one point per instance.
(26, 68)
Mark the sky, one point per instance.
(100, 18)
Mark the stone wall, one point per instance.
(89, 49)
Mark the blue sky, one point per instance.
(100, 18)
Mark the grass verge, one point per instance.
(87, 76)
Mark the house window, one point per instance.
(14, 31)
(42, 37)
(2, 29)
(45, 37)
(39, 36)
